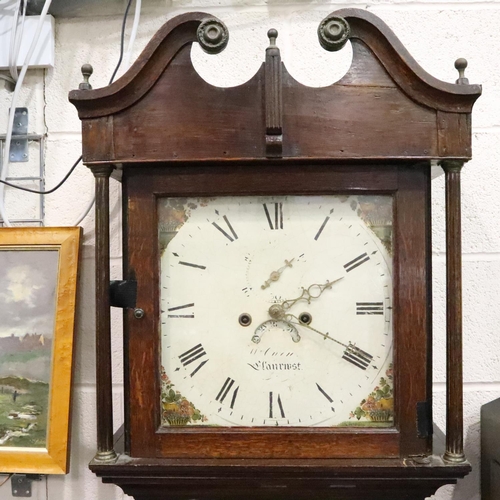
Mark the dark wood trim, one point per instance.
(411, 267)
(145, 71)
(454, 377)
(273, 99)
(412, 272)
(105, 452)
(149, 479)
(175, 33)
(125, 441)
(417, 84)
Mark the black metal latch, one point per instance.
(424, 419)
(123, 293)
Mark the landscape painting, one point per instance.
(28, 296)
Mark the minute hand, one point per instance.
(314, 291)
(352, 353)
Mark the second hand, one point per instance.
(324, 335)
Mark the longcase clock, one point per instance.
(277, 270)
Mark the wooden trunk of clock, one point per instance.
(271, 146)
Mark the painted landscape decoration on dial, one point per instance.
(27, 305)
(276, 310)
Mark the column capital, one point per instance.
(452, 166)
(101, 170)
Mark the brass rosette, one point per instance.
(333, 33)
(212, 35)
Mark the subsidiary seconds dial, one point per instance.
(276, 311)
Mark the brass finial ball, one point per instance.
(87, 70)
(272, 33)
(461, 64)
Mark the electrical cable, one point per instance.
(122, 42)
(48, 191)
(34, 191)
(86, 211)
(19, 35)
(6, 479)
(133, 33)
(7, 78)
(10, 123)
(13, 35)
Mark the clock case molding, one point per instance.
(162, 130)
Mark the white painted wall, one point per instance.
(436, 33)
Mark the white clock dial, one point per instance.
(276, 311)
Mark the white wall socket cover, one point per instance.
(44, 54)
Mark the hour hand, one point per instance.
(314, 291)
(275, 275)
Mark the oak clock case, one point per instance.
(272, 320)
(277, 271)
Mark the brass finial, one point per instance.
(87, 70)
(212, 35)
(272, 34)
(460, 65)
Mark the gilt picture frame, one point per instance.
(38, 276)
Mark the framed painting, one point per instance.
(38, 281)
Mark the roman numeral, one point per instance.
(231, 230)
(318, 234)
(369, 308)
(177, 308)
(357, 356)
(272, 403)
(228, 384)
(278, 215)
(361, 259)
(320, 389)
(189, 264)
(327, 218)
(192, 355)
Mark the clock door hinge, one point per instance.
(123, 293)
(424, 419)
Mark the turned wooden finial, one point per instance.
(460, 65)
(87, 71)
(274, 100)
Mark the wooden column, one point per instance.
(105, 452)
(454, 390)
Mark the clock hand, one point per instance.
(275, 275)
(352, 353)
(314, 291)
